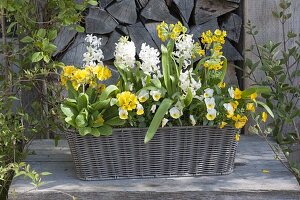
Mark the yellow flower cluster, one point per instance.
(89, 75)
(127, 101)
(240, 121)
(165, 31)
(218, 36)
(213, 64)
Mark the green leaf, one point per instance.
(41, 33)
(27, 39)
(80, 120)
(52, 34)
(11, 25)
(95, 132)
(156, 121)
(105, 130)
(266, 108)
(115, 121)
(79, 29)
(72, 93)
(37, 56)
(258, 89)
(223, 70)
(45, 173)
(100, 105)
(93, 2)
(46, 58)
(156, 83)
(70, 121)
(166, 69)
(68, 111)
(84, 130)
(83, 101)
(189, 97)
(105, 94)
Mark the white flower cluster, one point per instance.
(187, 81)
(210, 104)
(94, 54)
(125, 53)
(184, 49)
(150, 61)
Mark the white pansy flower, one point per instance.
(164, 122)
(94, 54)
(143, 96)
(229, 108)
(184, 49)
(153, 108)
(231, 92)
(125, 53)
(150, 61)
(210, 103)
(208, 92)
(193, 121)
(156, 95)
(123, 114)
(211, 114)
(139, 109)
(175, 112)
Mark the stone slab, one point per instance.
(246, 182)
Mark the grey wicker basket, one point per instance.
(177, 151)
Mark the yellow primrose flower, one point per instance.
(250, 107)
(223, 124)
(68, 71)
(237, 137)
(162, 31)
(237, 93)
(264, 116)
(127, 100)
(75, 85)
(81, 76)
(102, 72)
(218, 32)
(222, 85)
(63, 80)
(240, 121)
(253, 96)
(123, 114)
(201, 52)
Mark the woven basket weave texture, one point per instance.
(176, 151)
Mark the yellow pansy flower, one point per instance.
(237, 137)
(240, 121)
(264, 116)
(222, 85)
(250, 107)
(253, 96)
(237, 93)
(223, 124)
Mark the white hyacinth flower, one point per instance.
(175, 112)
(184, 49)
(125, 53)
(193, 121)
(156, 95)
(123, 114)
(94, 54)
(208, 92)
(143, 96)
(231, 92)
(153, 108)
(210, 103)
(164, 122)
(150, 61)
(188, 82)
(211, 114)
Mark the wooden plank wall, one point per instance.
(259, 12)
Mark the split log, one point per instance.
(197, 30)
(232, 24)
(99, 21)
(142, 3)
(109, 48)
(206, 10)
(105, 3)
(157, 10)
(140, 35)
(185, 8)
(64, 38)
(124, 11)
(230, 52)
